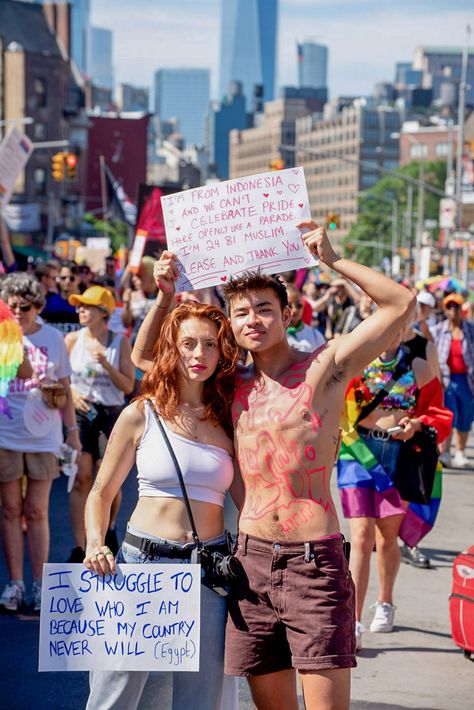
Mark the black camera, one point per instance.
(219, 570)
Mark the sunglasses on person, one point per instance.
(24, 308)
(67, 278)
(84, 270)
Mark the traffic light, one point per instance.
(58, 168)
(277, 164)
(71, 166)
(333, 220)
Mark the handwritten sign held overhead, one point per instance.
(15, 151)
(145, 617)
(226, 228)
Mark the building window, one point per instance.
(40, 92)
(39, 181)
(39, 131)
(442, 150)
(418, 150)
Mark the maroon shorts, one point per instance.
(294, 608)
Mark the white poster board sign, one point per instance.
(15, 150)
(248, 223)
(146, 617)
(137, 251)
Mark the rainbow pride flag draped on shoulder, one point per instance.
(358, 471)
(11, 354)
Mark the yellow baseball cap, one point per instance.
(94, 296)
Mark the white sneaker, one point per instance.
(359, 630)
(36, 596)
(12, 596)
(445, 459)
(460, 460)
(382, 622)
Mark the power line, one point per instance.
(369, 166)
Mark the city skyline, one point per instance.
(365, 39)
(249, 40)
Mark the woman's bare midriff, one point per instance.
(167, 518)
(383, 418)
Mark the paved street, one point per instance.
(417, 666)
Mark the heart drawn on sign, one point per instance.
(295, 171)
(294, 188)
(178, 228)
(223, 278)
(265, 194)
(300, 204)
(279, 192)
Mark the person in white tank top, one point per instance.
(190, 388)
(102, 374)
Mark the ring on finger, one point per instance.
(108, 553)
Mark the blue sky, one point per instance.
(365, 37)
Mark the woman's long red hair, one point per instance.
(162, 381)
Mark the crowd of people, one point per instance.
(260, 386)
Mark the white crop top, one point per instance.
(207, 470)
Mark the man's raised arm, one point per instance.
(165, 273)
(375, 333)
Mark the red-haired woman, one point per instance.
(190, 387)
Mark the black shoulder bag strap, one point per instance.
(197, 541)
(402, 367)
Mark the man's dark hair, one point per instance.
(251, 281)
(42, 269)
(71, 265)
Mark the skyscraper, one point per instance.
(312, 65)
(80, 33)
(184, 94)
(99, 66)
(248, 47)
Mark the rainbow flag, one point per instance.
(358, 470)
(11, 354)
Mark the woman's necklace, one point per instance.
(388, 364)
(188, 419)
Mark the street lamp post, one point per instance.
(421, 202)
(394, 203)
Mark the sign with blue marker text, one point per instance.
(145, 617)
(248, 223)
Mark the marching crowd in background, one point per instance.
(79, 327)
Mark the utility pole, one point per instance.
(408, 230)
(461, 112)
(421, 215)
(459, 153)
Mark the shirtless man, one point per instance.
(296, 607)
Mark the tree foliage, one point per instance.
(116, 230)
(374, 222)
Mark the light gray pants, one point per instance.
(122, 690)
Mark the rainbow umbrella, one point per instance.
(433, 283)
(11, 354)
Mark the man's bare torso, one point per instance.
(286, 434)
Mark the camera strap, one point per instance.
(196, 539)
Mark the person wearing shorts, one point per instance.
(454, 340)
(295, 610)
(31, 435)
(102, 373)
